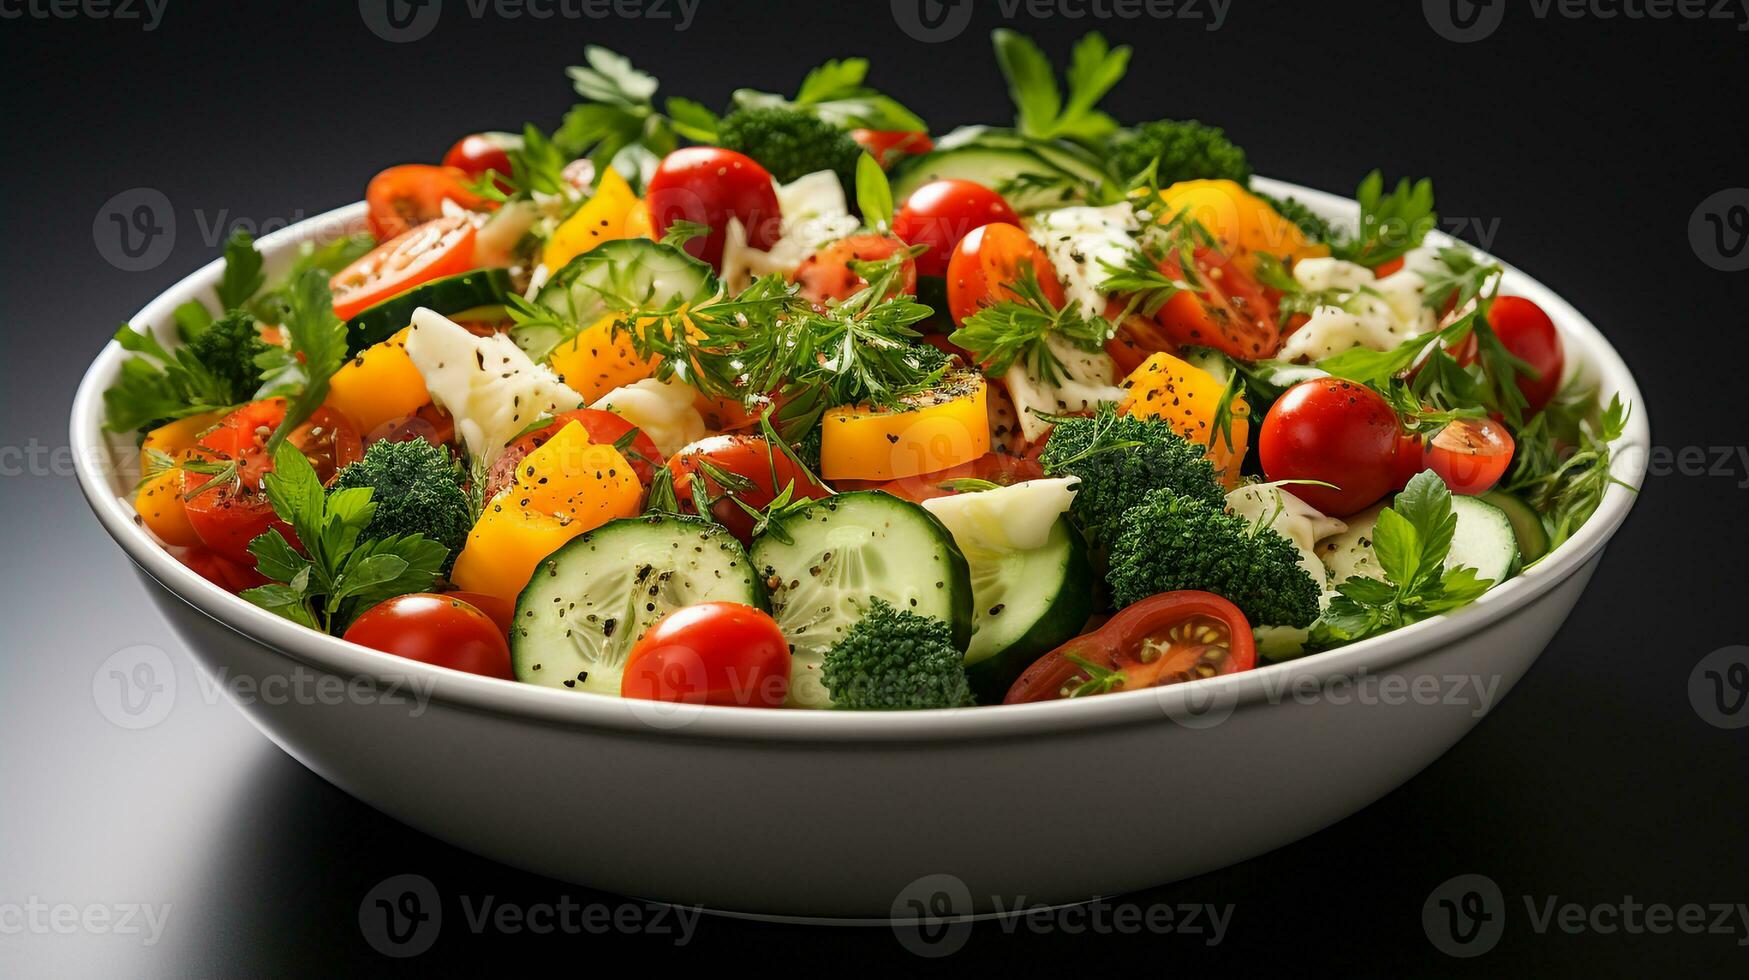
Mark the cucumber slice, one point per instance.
(822, 564)
(593, 598)
(1025, 604)
(1068, 157)
(448, 296)
(995, 168)
(1527, 524)
(622, 275)
(1484, 540)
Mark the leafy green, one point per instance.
(341, 574)
(1042, 110)
(836, 93)
(1411, 540)
(327, 259)
(1019, 328)
(315, 349)
(1391, 225)
(617, 112)
(160, 386)
(874, 195)
(1562, 465)
(242, 277)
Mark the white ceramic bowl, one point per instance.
(859, 815)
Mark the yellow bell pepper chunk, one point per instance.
(175, 439)
(1241, 221)
(161, 507)
(566, 487)
(602, 218)
(1189, 398)
(599, 361)
(638, 222)
(378, 385)
(940, 428)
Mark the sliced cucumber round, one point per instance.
(1025, 604)
(593, 598)
(821, 565)
(622, 275)
(1484, 540)
(1527, 524)
(448, 296)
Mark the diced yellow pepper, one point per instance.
(602, 218)
(1189, 398)
(1241, 221)
(379, 385)
(638, 222)
(944, 427)
(599, 361)
(566, 487)
(161, 507)
(174, 439)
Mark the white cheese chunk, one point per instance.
(1086, 379)
(1080, 241)
(663, 410)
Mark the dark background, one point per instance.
(1579, 147)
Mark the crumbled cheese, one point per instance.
(487, 383)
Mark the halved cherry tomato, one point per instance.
(404, 197)
(722, 653)
(1528, 333)
(941, 213)
(708, 185)
(998, 468)
(435, 629)
(222, 572)
(605, 429)
(1332, 431)
(888, 146)
(231, 512)
(827, 275)
(755, 476)
(1233, 314)
(987, 261)
(477, 153)
(1470, 455)
(444, 247)
(1164, 639)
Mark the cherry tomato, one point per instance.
(435, 629)
(1337, 432)
(888, 146)
(500, 611)
(1471, 455)
(1233, 314)
(721, 653)
(444, 247)
(231, 512)
(1137, 339)
(402, 198)
(604, 428)
(708, 185)
(1410, 460)
(1526, 331)
(998, 468)
(1164, 639)
(1390, 268)
(477, 153)
(222, 572)
(986, 261)
(941, 213)
(827, 275)
(755, 477)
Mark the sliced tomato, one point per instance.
(1164, 639)
(402, 198)
(230, 510)
(737, 472)
(604, 428)
(889, 146)
(1232, 314)
(987, 262)
(1470, 455)
(827, 274)
(1137, 338)
(435, 249)
(998, 468)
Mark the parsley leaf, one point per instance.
(315, 349)
(160, 386)
(1562, 465)
(1020, 328)
(242, 278)
(1042, 110)
(618, 112)
(874, 195)
(835, 92)
(1390, 226)
(340, 575)
(1412, 540)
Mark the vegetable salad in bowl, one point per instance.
(799, 406)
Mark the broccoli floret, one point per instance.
(418, 490)
(1119, 458)
(791, 143)
(1170, 542)
(1316, 229)
(895, 659)
(1187, 150)
(228, 347)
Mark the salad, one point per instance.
(801, 406)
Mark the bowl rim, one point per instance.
(91, 450)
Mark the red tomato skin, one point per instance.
(1410, 460)
(986, 261)
(1334, 431)
(827, 275)
(941, 213)
(709, 185)
(750, 457)
(435, 629)
(721, 653)
(220, 571)
(888, 146)
(1471, 455)
(401, 198)
(1235, 316)
(404, 261)
(1526, 330)
(999, 468)
(476, 153)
